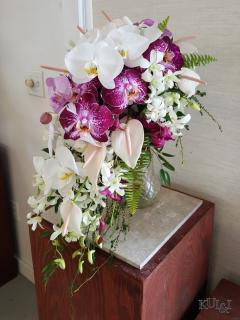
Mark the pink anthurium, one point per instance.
(127, 142)
(94, 157)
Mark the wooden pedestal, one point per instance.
(163, 290)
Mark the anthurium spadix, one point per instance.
(127, 142)
(90, 59)
(59, 172)
(72, 217)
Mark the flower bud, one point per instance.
(46, 118)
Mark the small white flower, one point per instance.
(177, 124)
(156, 110)
(152, 67)
(57, 232)
(34, 221)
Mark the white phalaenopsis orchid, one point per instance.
(186, 85)
(60, 172)
(130, 44)
(90, 59)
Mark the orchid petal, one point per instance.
(121, 142)
(110, 65)
(76, 59)
(66, 158)
(38, 163)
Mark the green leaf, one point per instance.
(193, 60)
(45, 234)
(48, 271)
(165, 177)
(168, 155)
(165, 163)
(163, 24)
(168, 166)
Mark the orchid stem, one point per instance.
(79, 190)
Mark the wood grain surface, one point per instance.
(162, 290)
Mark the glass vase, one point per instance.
(151, 186)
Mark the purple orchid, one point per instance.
(159, 135)
(86, 116)
(172, 59)
(88, 87)
(112, 195)
(129, 89)
(59, 91)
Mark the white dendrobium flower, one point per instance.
(172, 98)
(186, 85)
(57, 231)
(130, 44)
(177, 124)
(169, 79)
(34, 221)
(60, 172)
(112, 181)
(90, 59)
(152, 67)
(156, 110)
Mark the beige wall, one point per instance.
(32, 32)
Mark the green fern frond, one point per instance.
(163, 24)
(134, 177)
(194, 60)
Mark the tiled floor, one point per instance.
(18, 300)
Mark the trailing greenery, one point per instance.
(163, 24)
(134, 177)
(194, 60)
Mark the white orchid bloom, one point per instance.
(153, 68)
(156, 110)
(34, 221)
(72, 217)
(185, 85)
(177, 124)
(151, 33)
(130, 44)
(90, 59)
(59, 172)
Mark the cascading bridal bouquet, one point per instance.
(127, 90)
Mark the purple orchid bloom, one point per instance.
(86, 116)
(114, 196)
(129, 89)
(159, 135)
(102, 225)
(147, 22)
(172, 59)
(59, 91)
